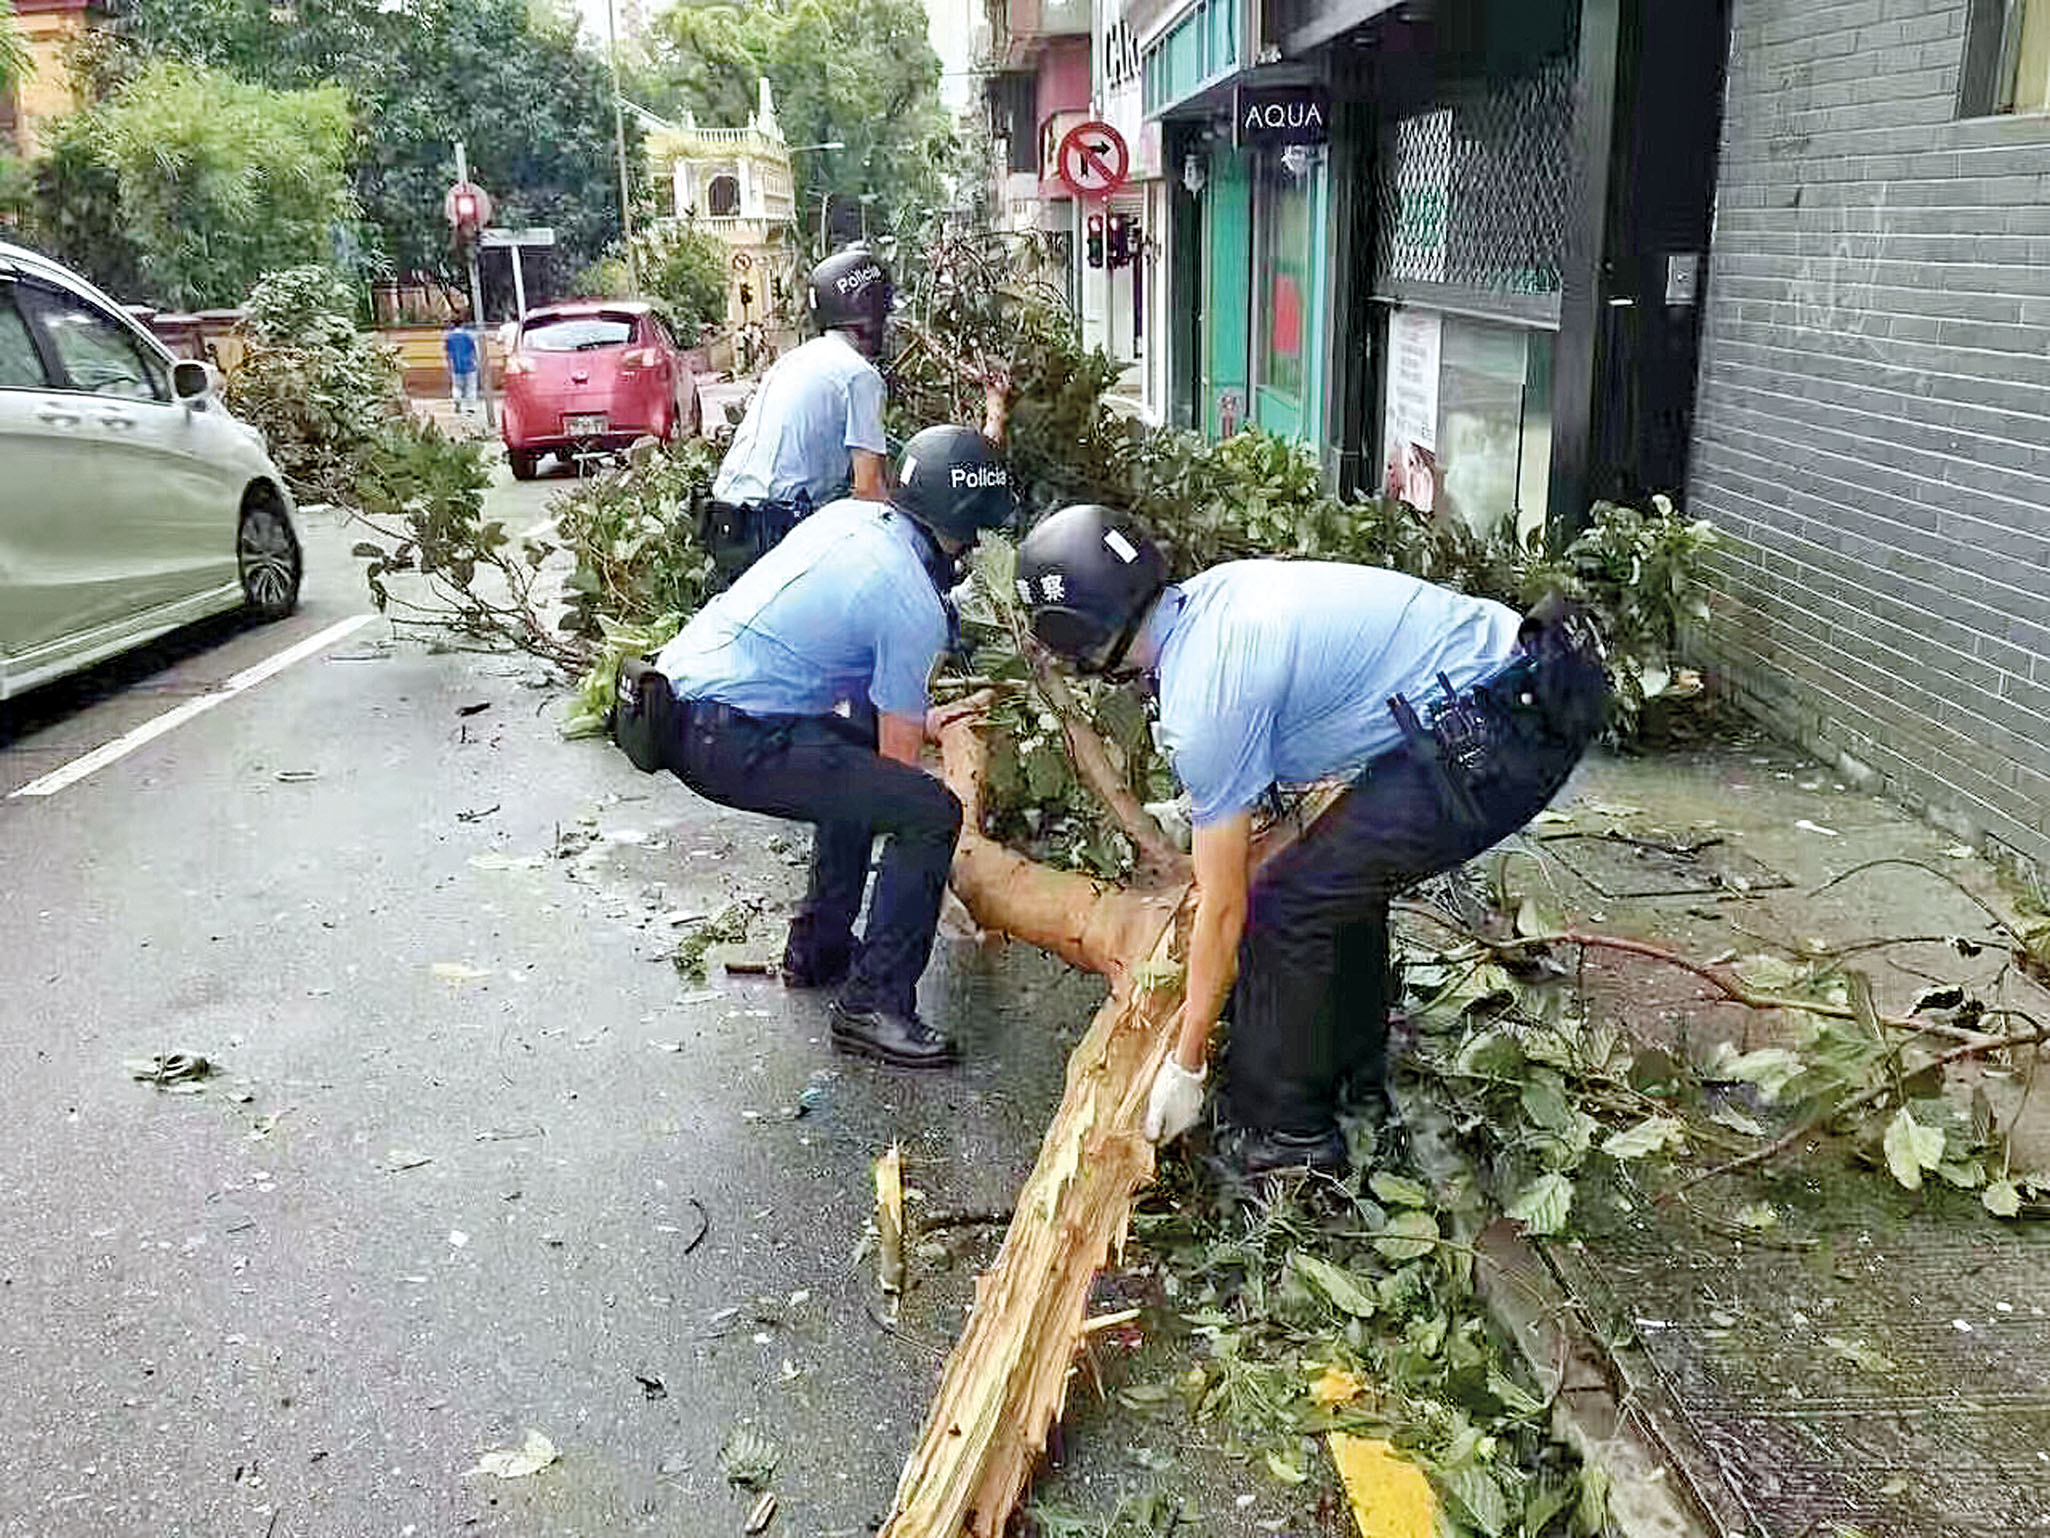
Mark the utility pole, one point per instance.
(477, 302)
(626, 214)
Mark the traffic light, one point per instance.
(1120, 242)
(1095, 248)
(468, 208)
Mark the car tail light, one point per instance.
(518, 363)
(640, 357)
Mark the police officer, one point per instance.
(814, 429)
(846, 612)
(1455, 719)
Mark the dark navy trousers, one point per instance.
(825, 770)
(1310, 1009)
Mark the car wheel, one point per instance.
(267, 553)
(523, 464)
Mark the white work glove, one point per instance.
(1176, 1102)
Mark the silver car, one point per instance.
(131, 502)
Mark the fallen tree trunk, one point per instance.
(1006, 1382)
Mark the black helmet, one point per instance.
(954, 482)
(852, 288)
(1089, 576)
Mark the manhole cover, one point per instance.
(1619, 866)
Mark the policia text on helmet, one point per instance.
(851, 291)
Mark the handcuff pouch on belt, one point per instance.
(1464, 735)
(737, 534)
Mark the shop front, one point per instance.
(1471, 183)
(1247, 197)
(1524, 188)
(1122, 272)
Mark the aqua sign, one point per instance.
(1281, 114)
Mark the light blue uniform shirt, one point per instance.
(1280, 672)
(817, 405)
(842, 609)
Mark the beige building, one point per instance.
(736, 183)
(47, 28)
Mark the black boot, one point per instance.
(802, 970)
(1267, 1150)
(901, 1040)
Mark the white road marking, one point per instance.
(107, 752)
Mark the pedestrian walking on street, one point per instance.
(800, 692)
(1455, 719)
(460, 346)
(813, 431)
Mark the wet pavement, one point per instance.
(1877, 1359)
(477, 1159)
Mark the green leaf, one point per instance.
(1480, 1495)
(1772, 1069)
(1759, 1216)
(1408, 1236)
(1647, 1137)
(1729, 1116)
(1543, 1204)
(1912, 1148)
(2001, 1199)
(1285, 1470)
(1399, 1192)
(1545, 1103)
(1337, 1286)
(1490, 1055)
(1769, 974)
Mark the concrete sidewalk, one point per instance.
(1877, 1360)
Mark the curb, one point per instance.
(1601, 1392)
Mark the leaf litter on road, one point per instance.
(175, 1073)
(530, 1457)
(748, 1458)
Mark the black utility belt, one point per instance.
(1466, 729)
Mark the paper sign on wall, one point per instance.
(1410, 430)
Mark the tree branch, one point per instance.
(1729, 987)
(1158, 858)
(1099, 926)
(1985, 1047)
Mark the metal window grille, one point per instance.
(1475, 192)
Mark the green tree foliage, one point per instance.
(704, 59)
(682, 270)
(14, 59)
(322, 392)
(533, 110)
(187, 184)
(857, 71)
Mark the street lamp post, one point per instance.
(824, 144)
(626, 215)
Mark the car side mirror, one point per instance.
(191, 380)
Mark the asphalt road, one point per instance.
(476, 1158)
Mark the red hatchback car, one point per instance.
(591, 375)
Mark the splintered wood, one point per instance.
(1006, 1382)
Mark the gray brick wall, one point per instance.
(1873, 427)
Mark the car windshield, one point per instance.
(577, 333)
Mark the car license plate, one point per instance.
(584, 426)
